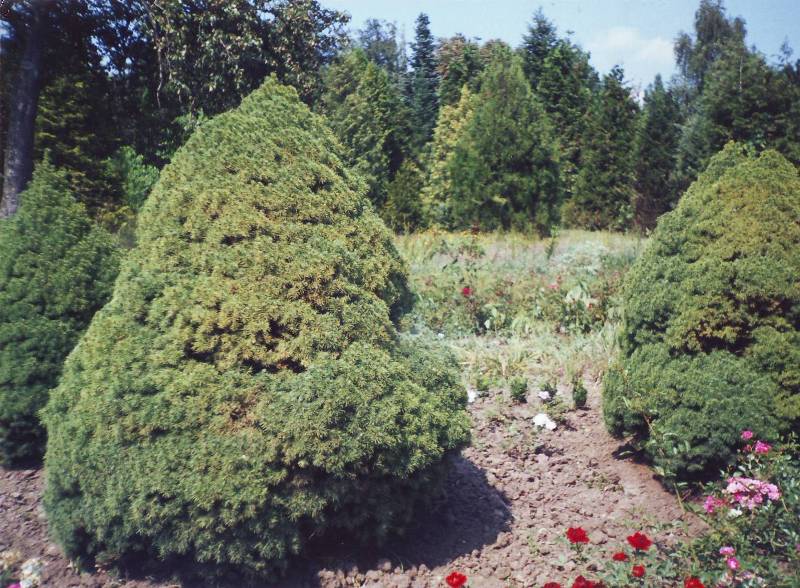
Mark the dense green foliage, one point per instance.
(437, 192)
(711, 344)
(73, 127)
(424, 83)
(459, 63)
(135, 177)
(365, 110)
(538, 43)
(566, 87)
(56, 271)
(504, 171)
(604, 186)
(657, 139)
(246, 387)
(404, 210)
(380, 43)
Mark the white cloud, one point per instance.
(642, 57)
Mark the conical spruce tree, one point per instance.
(365, 108)
(655, 153)
(604, 187)
(710, 342)
(424, 83)
(246, 388)
(56, 270)
(438, 186)
(504, 170)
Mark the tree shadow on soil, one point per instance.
(469, 515)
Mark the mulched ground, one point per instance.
(508, 501)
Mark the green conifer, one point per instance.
(710, 342)
(246, 387)
(504, 170)
(56, 270)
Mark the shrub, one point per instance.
(710, 342)
(56, 270)
(246, 388)
(579, 392)
(519, 389)
(135, 177)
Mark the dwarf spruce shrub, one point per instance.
(246, 388)
(711, 338)
(56, 270)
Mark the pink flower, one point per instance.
(712, 503)
(15, 585)
(733, 563)
(466, 291)
(750, 492)
(762, 447)
(747, 435)
(729, 551)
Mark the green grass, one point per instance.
(541, 309)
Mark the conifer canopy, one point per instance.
(56, 270)
(246, 388)
(710, 344)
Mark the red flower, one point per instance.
(581, 582)
(552, 585)
(640, 541)
(466, 291)
(456, 580)
(693, 583)
(621, 556)
(577, 535)
(638, 571)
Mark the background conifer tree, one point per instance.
(366, 111)
(504, 170)
(604, 186)
(424, 82)
(655, 154)
(56, 270)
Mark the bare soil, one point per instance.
(508, 501)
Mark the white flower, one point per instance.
(544, 395)
(440, 335)
(472, 395)
(542, 420)
(31, 573)
(734, 512)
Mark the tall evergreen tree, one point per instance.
(604, 186)
(714, 32)
(504, 170)
(747, 100)
(566, 87)
(539, 41)
(424, 82)
(366, 111)
(436, 195)
(73, 126)
(380, 42)
(655, 153)
(459, 62)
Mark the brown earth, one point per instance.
(508, 501)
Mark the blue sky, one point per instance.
(637, 34)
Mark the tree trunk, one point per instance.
(22, 113)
